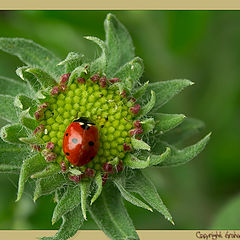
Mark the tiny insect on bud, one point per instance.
(95, 77)
(81, 80)
(136, 131)
(104, 178)
(114, 80)
(43, 106)
(65, 77)
(103, 82)
(63, 87)
(50, 145)
(126, 147)
(108, 168)
(50, 156)
(89, 172)
(55, 90)
(63, 166)
(77, 178)
(135, 109)
(123, 94)
(120, 166)
(137, 124)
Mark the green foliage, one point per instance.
(148, 107)
(7, 108)
(133, 162)
(98, 181)
(23, 102)
(157, 159)
(139, 144)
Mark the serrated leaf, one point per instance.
(12, 87)
(4, 168)
(72, 61)
(149, 106)
(32, 54)
(48, 185)
(133, 162)
(99, 64)
(70, 199)
(130, 73)
(148, 125)
(12, 132)
(29, 167)
(166, 122)
(51, 169)
(165, 90)
(179, 157)
(129, 197)
(45, 79)
(78, 72)
(34, 139)
(29, 78)
(98, 181)
(84, 186)
(157, 159)
(24, 102)
(141, 90)
(119, 44)
(111, 216)
(138, 183)
(27, 121)
(139, 144)
(7, 108)
(72, 221)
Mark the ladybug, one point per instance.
(81, 141)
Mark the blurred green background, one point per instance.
(202, 46)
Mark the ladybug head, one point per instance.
(84, 120)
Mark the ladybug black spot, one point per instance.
(91, 143)
(66, 134)
(102, 126)
(74, 140)
(106, 118)
(91, 158)
(67, 154)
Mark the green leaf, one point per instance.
(228, 217)
(129, 197)
(139, 144)
(148, 107)
(141, 90)
(12, 87)
(119, 44)
(29, 166)
(34, 139)
(98, 181)
(45, 79)
(78, 72)
(7, 109)
(29, 78)
(130, 73)
(4, 168)
(72, 61)
(179, 157)
(148, 125)
(138, 183)
(51, 169)
(32, 54)
(157, 159)
(166, 90)
(111, 216)
(84, 194)
(12, 132)
(70, 199)
(72, 221)
(48, 185)
(27, 121)
(166, 122)
(99, 65)
(134, 163)
(23, 102)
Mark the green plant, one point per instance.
(133, 133)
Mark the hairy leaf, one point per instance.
(98, 181)
(51, 169)
(112, 218)
(134, 163)
(157, 159)
(5, 168)
(27, 121)
(141, 90)
(84, 186)
(7, 108)
(78, 72)
(23, 102)
(148, 125)
(148, 107)
(139, 144)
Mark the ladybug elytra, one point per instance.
(81, 141)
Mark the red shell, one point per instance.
(80, 142)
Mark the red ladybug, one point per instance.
(81, 142)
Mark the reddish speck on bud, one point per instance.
(136, 131)
(50, 145)
(95, 77)
(108, 168)
(81, 80)
(40, 128)
(55, 90)
(137, 124)
(103, 82)
(89, 172)
(63, 87)
(36, 147)
(114, 80)
(63, 166)
(126, 147)
(123, 94)
(77, 178)
(104, 178)
(38, 115)
(120, 166)
(65, 77)
(43, 106)
(135, 109)
(50, 156)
